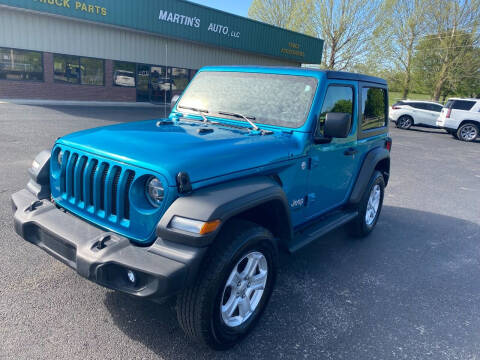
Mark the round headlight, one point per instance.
(155, 191)
(60, 157)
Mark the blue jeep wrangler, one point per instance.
(251, 160)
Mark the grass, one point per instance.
(395, 96)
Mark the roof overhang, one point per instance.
(186, 21)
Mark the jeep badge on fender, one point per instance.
(251, 160)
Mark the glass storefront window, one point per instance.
(124, 74)
(157, 83)
(92, 71)
(180, 79)
(66, 69)
(160, 84)
(192, 73)
(21, 65)
(78, 70)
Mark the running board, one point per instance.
(320, 228)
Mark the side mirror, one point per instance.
(337, 125)
(174, 100)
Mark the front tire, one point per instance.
(370, 207)
(467, 132)
(404, 122)
(232, 288)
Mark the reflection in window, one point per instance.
(78, 70)
(92, 71)
(160, 84)
(338, 99)
(374, 108)
(180, 79)
(124, 74)
(192, 73)
(66, 69)
(20, 65)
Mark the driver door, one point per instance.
(334, 162)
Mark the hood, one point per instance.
(169, 149)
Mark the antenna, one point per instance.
(166, 71)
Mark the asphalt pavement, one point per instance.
(409, 291)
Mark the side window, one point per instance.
(338, 99)
(374, 108)
(437, 108)
(463, 105)
(421, 106)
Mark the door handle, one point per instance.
(350, 152)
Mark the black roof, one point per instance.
(340, 75)
(343, 75)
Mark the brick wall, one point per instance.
(50, 90)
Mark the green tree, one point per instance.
(344, 25)
(454, 24)
(443, 71)
(401, 24)
(288, 14)
(347, 27)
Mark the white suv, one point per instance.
(407, 113)
(461, 118)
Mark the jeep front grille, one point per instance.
(98, 186)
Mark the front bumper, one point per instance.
(160, 270)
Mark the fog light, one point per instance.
(131, 276)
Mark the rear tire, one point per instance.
(467, 132)
(404, 122)
(369, 208)
(204, 310)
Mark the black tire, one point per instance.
(198, 307)
(359, 226)
(404, 122)
(467, 132)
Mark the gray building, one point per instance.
(130, 50)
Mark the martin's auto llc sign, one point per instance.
(196, 22)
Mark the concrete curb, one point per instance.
(80, 103)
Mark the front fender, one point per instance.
(220, 202)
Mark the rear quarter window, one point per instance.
(374, 108)
(463, 105)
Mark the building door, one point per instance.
(143, 82)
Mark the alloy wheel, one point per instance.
(468, 132)
(244, 289)
(372, 205)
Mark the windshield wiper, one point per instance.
(200, 112)
(246, 118)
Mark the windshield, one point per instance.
(280, 100)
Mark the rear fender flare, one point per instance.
(372, 159)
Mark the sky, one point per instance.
(238, 7)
